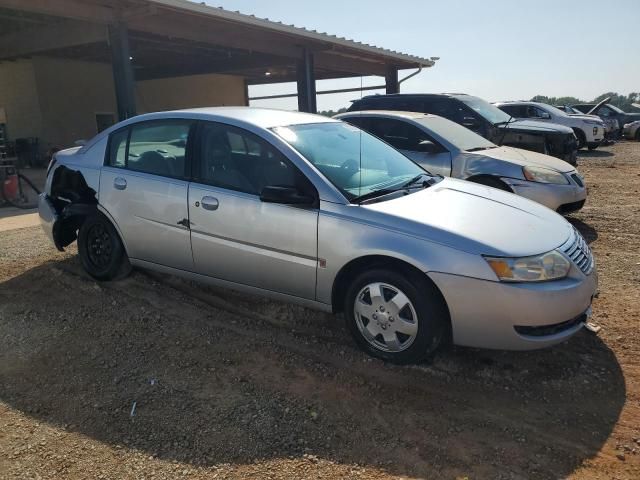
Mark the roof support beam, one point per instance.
(306, 84)
(46, 38)
(391, 80)
(122, 71)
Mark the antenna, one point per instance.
(360, 128)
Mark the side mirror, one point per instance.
(544, 116)
(285, 195)
(427, 146)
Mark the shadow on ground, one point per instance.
(588, 232)
(213, 387)
(599, 153)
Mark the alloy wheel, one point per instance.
(385, 317)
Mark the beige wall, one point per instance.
(57, 100)
(189, 92)
(19, 98)
(71, 93)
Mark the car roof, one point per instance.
(411, 95)
(259, 117)
(385, 113)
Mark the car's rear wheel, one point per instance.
(400, 318)
(101, 251)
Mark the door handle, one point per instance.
(120, 183)
(210, 203)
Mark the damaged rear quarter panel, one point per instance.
(72, 186)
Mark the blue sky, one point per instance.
(496, 49)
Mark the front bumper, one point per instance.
(561, 198)
(516, 316)
(48, 215)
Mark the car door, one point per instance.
(144, 187)
(239, 238)
(407, 138)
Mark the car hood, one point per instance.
(586, 117)
(474, 218)
(524, 158)
(537, 126)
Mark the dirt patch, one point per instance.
(230, 386)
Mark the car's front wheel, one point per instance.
(100, 248)
(400, 318)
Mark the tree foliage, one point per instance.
(622, 101)
(331, 113)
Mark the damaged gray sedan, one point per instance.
(315, 211)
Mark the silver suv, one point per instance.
(316, 211)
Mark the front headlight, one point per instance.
(544, 175)
(538, 268)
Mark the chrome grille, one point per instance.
(579, 252)
(577, 179)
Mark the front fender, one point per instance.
(342, 239)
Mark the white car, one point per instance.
(588, 130)
(632, 130)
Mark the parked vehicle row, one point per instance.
(607, 111)
(445, 148)
(632, 130)
(483, 118)
(319, 212)
(589, 130)
(611, 126)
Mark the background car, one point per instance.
(446, 148)
(607, 111)
(588, 130)
(611, 126)
(632, 130)
(483, 118)
(316, 211)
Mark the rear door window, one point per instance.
(159, 147)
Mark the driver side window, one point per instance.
(236, 159)
(155, 147)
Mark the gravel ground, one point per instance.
(155, 377)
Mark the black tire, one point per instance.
(27, 193)
(100, 248)
(593, 146)
(638, 135)
(432, 314)
(582, 139)
(491, 182)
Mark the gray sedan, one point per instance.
(446, 148)
(315, 211)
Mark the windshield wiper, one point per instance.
(415, 179)
(386, 191)
(374, 194)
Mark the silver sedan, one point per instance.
(446, 148)
(315, 211)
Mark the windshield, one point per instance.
(614, 108)
(356, 162)
(460, 137)
(554, 110)
(484, 108)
